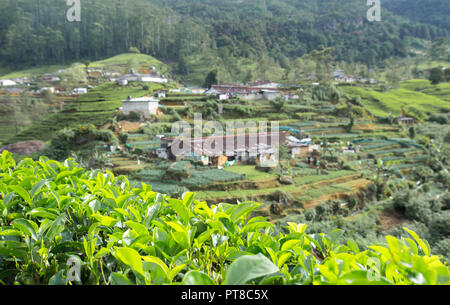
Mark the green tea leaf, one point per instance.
(42, 212)
(425, 248)
(56, 227)
(118, 279)
(197, 278)
(131, 258)
(249, 267)
(22, 193)
(25, 227)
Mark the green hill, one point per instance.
(239, 38)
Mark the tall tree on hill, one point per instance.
(211, 79)
(323, 59)
(393, 76)
(438, 49)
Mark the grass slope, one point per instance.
(116, 63)
(383, 103)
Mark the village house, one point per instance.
(147, 106)
(7, 83)
(340, 76)
(50, 78)
(405, 120)
(240, 148)
(153, 77)
(301, 148)
(50, 89)
(78, 91)
(264, 84)
(244, 92)
(161, 94)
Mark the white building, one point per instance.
(7, 82)
(51, 89)
(152, 79)
(51, 78)
(78, 91)
(146, 105)
(223, 97)
(161, 94)
(145, 78)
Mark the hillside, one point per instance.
(424, 11)
(95, 107)
(239, 38)
(418, 102)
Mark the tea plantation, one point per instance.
(52, 213)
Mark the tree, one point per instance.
(78, 74)
(248, 76)
(393, 76)
(211, 79)
(278, 104)
(436, 76)
(134, 50)
(412, 132)
(438, 49)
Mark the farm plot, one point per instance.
(194, 179)
(301, 184)
(124, 166)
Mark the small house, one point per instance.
(338, 74)
(50, 78)
(223, 97)
(162, 153)
(7, 82)
(146, 105)
(161, 94)
(270, 95)
(78, 91)
(406, 120)
(50, 89)
(264, 84)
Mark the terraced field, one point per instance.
(123, 165)
(301, 185)
(383, 103)
(96, 107)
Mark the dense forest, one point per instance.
(217, 33)
(425, 11)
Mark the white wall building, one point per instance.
(152, 79)
(7, 82)
(78, 91)
(146, 105)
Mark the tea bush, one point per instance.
(54, 215)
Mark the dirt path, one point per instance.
(390, 219)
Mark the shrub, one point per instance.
(134, 116)
(123, 138)
(439, 118)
